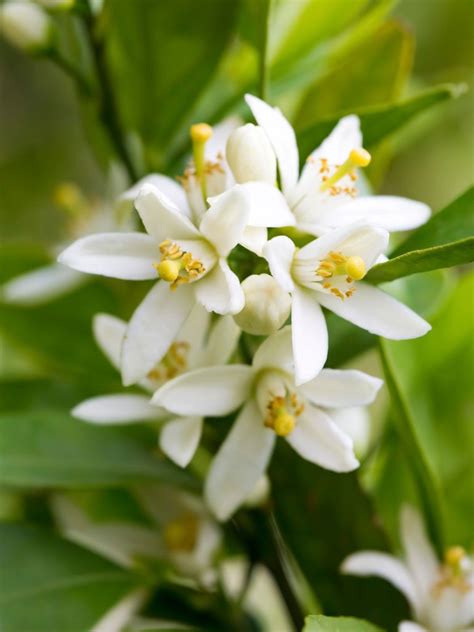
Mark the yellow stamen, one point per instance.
(454, 556)
(200, 134)
(282, 413)
(176, 266)
(357, 158)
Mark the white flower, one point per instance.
(441, 595)
(25, 25)
(326, 273)
(197, 344)
(323, 197)
(267, 305)
(272, 407)
(250, 155)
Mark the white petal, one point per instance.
(389, 212)
(239, 464)
(208, 392)
(109, 332)
(282, 138)
(169, 187)
(116, 409)
(382, 565)
(216, 145)
(410, 626)
(221, 343)
(275, 352)
(225, 221)
(279, 253)
(115, 619)
(266, 204)
(254, 239)
(179, 439)
(161, 218)
(317, 439)
(335, 388)
(420, 556)
(152, 329)
(310, 335)
(343, 138)
(41, 285)
(355, 423)
(193, 333)
(377, 312)
(219, 291)
(119, 255)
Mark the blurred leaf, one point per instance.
(51, 449)
(162, 55)
(351, 87)
(379, 122)
(446, 240)
(319, 623)
(51, 584)
(315, 528)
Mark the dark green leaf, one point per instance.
(50, 584)
(51, 449)
(379, 122)
(446, 240)
(319, 623)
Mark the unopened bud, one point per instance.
(250, 155)
(26, 26)
(267, 305)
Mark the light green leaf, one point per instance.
(446, 240)
(51, 584)
(378, 122)
(51, 449)
(320, 623)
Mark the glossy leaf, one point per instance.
(51, 584)
(320, 623)
(51, 449)
(446, 240)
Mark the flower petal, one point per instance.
(382, 565)
(239, 463)
(254, 239)
(266, 205)
(215, 146)
(119, 255)
(220, 291)
(310, 335)
(116, 409)
(109, 332)
(389, 212)
(279, 253)
(420, 556)
(225, 221)
(152, 329)
(377, 312)
(221, 342)
(41, 285)
(161, 218)
(169, 187)
(208, 392)
(343, 138)
(282, 137)
(317, 439)
(275, 352)
(179, 439)
(335, 388)
(410, 626)
(355, 423)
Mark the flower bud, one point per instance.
(26, 26)
(267, 305)
(250, 155)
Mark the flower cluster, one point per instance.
(244, 181)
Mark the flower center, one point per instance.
(181, 535)
(177, 266)
(454, 573)
(336, 264)
(174, 363)
(282, 412)
(357, 158)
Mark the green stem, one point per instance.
(70, 69)
(263, 66)
(108, 112)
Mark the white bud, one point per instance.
(267, 305)
(25, 25)
(250, 155)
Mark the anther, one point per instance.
(358, 157)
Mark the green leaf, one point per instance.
(51, 449)
(51, 584)
(162, 56)
(378, 122)
(319, 623)
(446, 240)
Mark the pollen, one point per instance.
(282, 413)
(174, 362)
(177, 266)
(358, 157)
(335, 265)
